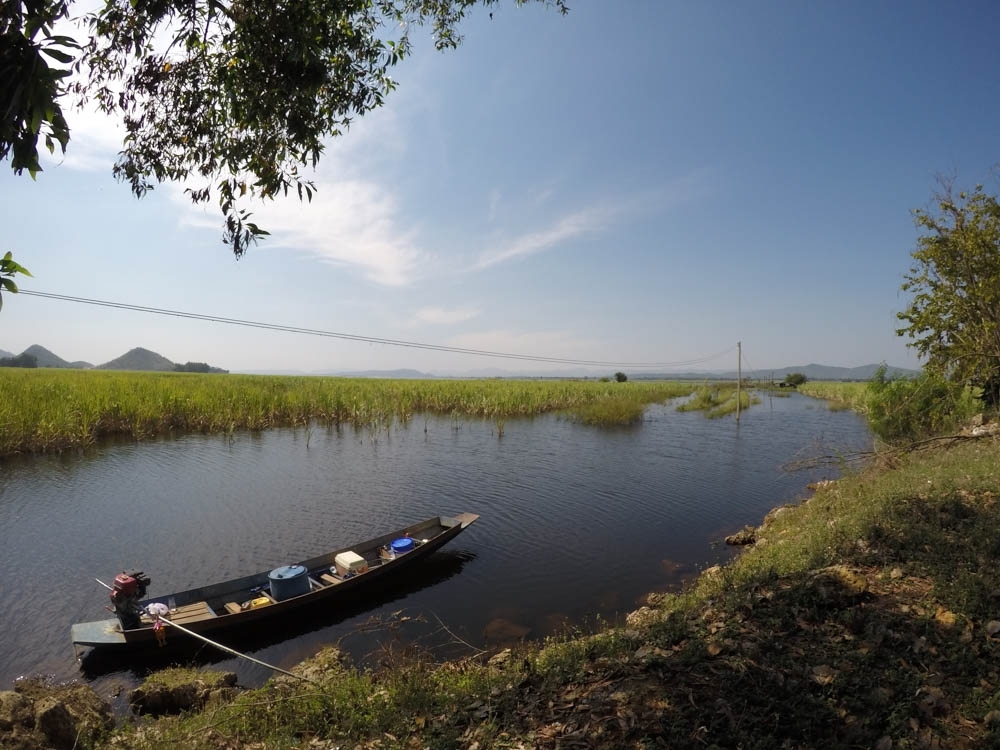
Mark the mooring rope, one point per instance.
(234, 652)
(218, 645)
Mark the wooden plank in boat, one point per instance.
(191, 613)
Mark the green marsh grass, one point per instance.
(839, 396)
(51, 410)
(718, 400)
(627, 405)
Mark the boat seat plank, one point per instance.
(191, 613)
(233, 608)
(329, 579)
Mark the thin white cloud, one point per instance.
(568, 227)
(352, 223)
(444, 316)
(543, 195)
(495, 199)
(352, 220)
(95, 140)
(694, 186)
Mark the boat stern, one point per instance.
(99, 633)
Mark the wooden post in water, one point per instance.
(739, 377)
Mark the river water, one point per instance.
(577, 523)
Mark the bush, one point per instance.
(902, 409)
(21, 360)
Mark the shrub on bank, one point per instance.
(902, 409)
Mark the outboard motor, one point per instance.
(128, 589)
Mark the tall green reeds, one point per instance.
(51, 410)
(838, 395)
(718, 400)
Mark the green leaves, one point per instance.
(9, 267)
(904, 410)
(224, 92)
(954, 314)
(247, 92)
(29, 88)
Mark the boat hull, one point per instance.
(222, 607)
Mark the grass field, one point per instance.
(48, 410)
(839, 395)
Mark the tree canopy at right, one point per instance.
(953, 317)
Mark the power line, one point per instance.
(369, 339)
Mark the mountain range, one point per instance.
(135, 359)
(811, 371)
(140, 359)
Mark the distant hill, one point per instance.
(813, 372)
(138, 359)
(141, 360)
(827, 372)
(46, 358)
(391, 374)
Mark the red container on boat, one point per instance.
(126, 584)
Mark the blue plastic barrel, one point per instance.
(399, 546)
(288, 581)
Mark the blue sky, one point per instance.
(636, 182)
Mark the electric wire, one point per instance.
(372, 339)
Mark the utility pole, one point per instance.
(739, 377)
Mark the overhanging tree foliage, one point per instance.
(954, 315)
(237, 96)
(30, 88)
(8, 268)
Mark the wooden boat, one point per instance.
(244, 601)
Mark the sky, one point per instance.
(636, 184)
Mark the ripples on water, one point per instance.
(576, 522)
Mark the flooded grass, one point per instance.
(628, 405)
(718, 400)
(49, 410)
(840, 396)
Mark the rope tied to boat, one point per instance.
(220, 646)
(234, 652)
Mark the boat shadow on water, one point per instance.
(252, 638)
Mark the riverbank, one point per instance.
(866, 616)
